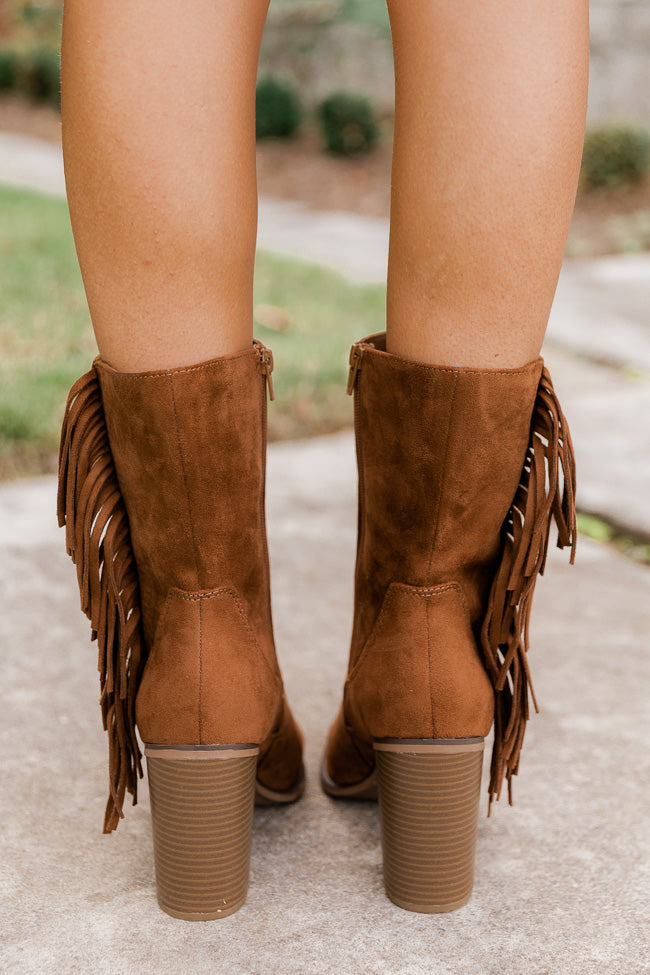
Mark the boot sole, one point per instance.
(272, 797)
(429, 792)
(366, 789)
(202, 817)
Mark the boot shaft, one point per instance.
(189, 448)
(440, 454)
(161, 490)
(461, 472)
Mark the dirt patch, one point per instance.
(598, 214)
(23, 117)
(298, 169)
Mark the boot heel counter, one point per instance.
(461, 691)
(420, 674)
(206, 681)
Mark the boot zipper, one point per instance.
(356, 353)
(266, 363)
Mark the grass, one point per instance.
(45, 337)
(46, 340)
(601, 531)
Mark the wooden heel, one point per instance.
(428, 797)
(202, 818)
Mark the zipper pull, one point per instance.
(356, 353)
(266, 363)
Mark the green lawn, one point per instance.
(46, 339)
(601, 531)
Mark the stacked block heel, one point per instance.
(429, 794)
(202, 817)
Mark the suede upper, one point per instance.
(189, 448)
(440, 452)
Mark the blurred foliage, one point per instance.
(601, 531)
(29, 55)
(348, 123)
(278, 111)
(594, 527)
(615, 154)
(8, 64)
(38, 75)
(32, 71)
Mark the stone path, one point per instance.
(562, 882)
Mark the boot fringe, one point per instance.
(90, 506)
(543, 496)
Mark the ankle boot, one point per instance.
(161, 490)
(459, 479)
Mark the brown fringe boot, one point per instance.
(461, 472)
(161, 490)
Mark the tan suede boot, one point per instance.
(459, 478)
(161, 489)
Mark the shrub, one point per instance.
(40, 75)
(7, 69)
(35, 72)
(615, 154)
(348, 123)
(278, 111)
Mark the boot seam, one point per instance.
(200, 716)
(415, 593)
(200, 596)
(276, 728)
(434, 538)
(457, 370)
(232, 592)
(352, 732)
(170, 373)
(184, 475)
(429, 664)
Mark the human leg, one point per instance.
(460, 438)
(163, 448)
(158, 105)
(490, 110)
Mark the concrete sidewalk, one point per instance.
(562, 884)
(563, 880)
